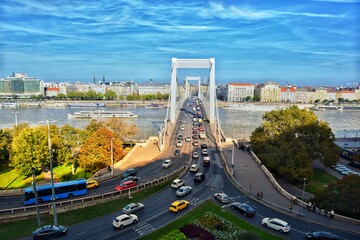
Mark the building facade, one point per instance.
(268, 92)
(21, 86)
(153, 87)
(239, 92)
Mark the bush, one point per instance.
(173, 235)
(196, 232)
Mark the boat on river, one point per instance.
(102, 114)
(86, 104)
(252, 107)
(327, 107)
(155, 106)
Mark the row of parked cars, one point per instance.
(343, 170)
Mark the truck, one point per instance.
(206, 162)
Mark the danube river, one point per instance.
(238, 123)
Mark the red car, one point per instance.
(125, 185)
(201, 129)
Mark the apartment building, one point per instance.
(238, 92)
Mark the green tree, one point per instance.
(70, 140)
(5, 146)
(92, 95)
(95, 153)
(110, 95)
(289, 140)
(30, 151)
(342, 196)
(61, 96)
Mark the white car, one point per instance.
(182, 128)
(222, 197)
(195, 154)
(177, 183)
(179, 143)
(277, 224)
(124, 220)
(187, 139)
(194, 168)
(204, 151)
(167, 163)
(184, 121)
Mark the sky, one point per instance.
(304, 42)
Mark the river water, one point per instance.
(233, 122)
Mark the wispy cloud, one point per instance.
(338, 1)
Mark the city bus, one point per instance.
(62, 190)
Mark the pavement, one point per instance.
(253, 180)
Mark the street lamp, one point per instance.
(112, 157)
(16, 120)
(51, 171)
(302, 197)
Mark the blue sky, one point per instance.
(307, 42)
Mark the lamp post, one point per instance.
(232, 156)
(302, 197)
(36, 199)
(112, 157)
(51, 173)
(16, 120)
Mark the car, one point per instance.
(180, 137)
(124, 220)
(133, 208)
(354, 164)
(167, 163)
(92, 183)
(199, 177)
(184, 121)
(195, 136)
(277, 224)
(49, 231)
(130, 178)
(321, 235)
(194, 132)
(203, 145)
(222, 197)
(194, 168)
(201, 129)
(183, 191)
(177, 183)
(125, 185)
(243, 208)
(195, 123)
(128, 172)
(182, 128)
(177, 152)
(195, 143)
(195, 154)
(187, 139)
(204, 151)
(178, 205)
(179, 143)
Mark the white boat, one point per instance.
(10, 105)
(86, 104)
(328, 107)
(102, 114)
(252, 107)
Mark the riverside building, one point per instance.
(21, 86)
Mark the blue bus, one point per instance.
(62, 190)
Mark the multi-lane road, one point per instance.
(157, 214)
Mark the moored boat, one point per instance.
(86, 104)
(102, 114)
(328, 107)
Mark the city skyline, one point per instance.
(313, 42)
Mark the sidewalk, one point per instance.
(251, 177)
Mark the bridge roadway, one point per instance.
(156, 213)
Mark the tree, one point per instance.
(120, 128)
(289, 140)
(70, 139)
(342, 196)
(95, 153)
(110, 95)
(5, 146)
(61, 96)
(30, 151)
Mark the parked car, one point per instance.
(354, 164)
(199, 177)
(177, 152)
(130, 178)
(222, 197)
(277, 224)
(167, 163)
(321, 235)
(92, 183)
(178, 205)
(49, 231)
(183, 191)
(243, 208)
(194, 168)
(195, 154)
(125, 185)
(177, 183)
(133, 208)
(204, 151)
(124, 220)
(129, 172)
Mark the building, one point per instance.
(21, 86)
(153, 87)
(288, 94)
(239, 92)
(268, 92)
(122, 88)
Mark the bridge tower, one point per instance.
(187, 85)
(192, 64)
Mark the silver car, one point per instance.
(183, 191)
(222, 197)
(133, 208)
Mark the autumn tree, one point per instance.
(30, 151)
(289, 140)
(95, 153)
(342, 196)
(5, 146)
(121, 129)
